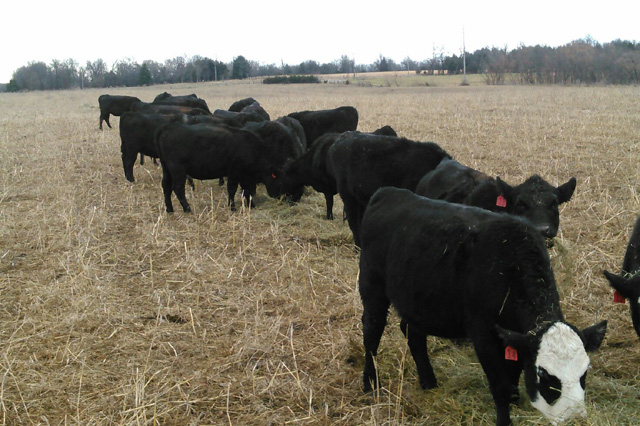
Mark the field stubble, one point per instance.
(114, 312)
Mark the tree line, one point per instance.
(583, 61)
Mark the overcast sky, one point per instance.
(295, 31)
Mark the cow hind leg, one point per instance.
(141, 159)
(232, 188)
(128, 160)
(374, 319)
(328, 198)
(179, 181)
(167, 188)
(417, 342)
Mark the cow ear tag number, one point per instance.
(501, 201)
(617, 297)
(510, 354)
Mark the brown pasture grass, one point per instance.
(113, 312)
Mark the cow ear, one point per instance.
(625, 286)
(565, 191)
(524, 343)
(504, 188)
(594, 335)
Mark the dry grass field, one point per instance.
(113, 312)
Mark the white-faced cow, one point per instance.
(311, 169)
(317, 123)
(627, 284)
(456, 271)
(114, 105)
(535, 198)
(361, 163)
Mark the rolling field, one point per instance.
(113, 312)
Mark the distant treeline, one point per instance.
(583, 61)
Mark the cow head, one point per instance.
(555, 365)
(538, 201)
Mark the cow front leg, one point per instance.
(490, 352)
(417, 342)
(232, 188)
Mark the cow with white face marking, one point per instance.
(456, 271)
(627, 284)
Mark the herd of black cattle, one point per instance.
(458, 253)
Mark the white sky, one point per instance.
(295, 30)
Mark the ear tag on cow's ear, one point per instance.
(501, 201)
(273, 175)
(510, 354)
(618, 298)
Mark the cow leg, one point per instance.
(191, 184)
(328, 198)
(249, 193)
(179, 180)
(128, 160)
(417, 342)
(167, 188)
(490, 352)
(232, 188)
(104, 117)
(221, 181)
(374, 319)
(141, 159)
(352, 208)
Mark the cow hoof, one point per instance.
(427, 386)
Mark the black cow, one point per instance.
(535, 199)
(463, 272)
(114, 105)
(203, 151)
(148, 108)
(362, 163)
(238, 119)
(628, 282)
(312, 169)
(137, 136)
(317, 123)
(256, 108)
(239, 105)
(191, 101)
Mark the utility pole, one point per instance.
(464, 61)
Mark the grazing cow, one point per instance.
(535, 199)
(203, 151)
(627, 284)
(362, 163)
(137, 136)
(311, 169)
(317, 123)
(191, 101)
(456, 271)
(114, 105)
(148, 108)
(239, 105)
(238, 119)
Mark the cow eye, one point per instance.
(583, 380)
(549, 386)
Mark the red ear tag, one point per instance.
(273, 175)
(501, 201)
(510, 354)
(617, 297)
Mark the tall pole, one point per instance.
(464, 61)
